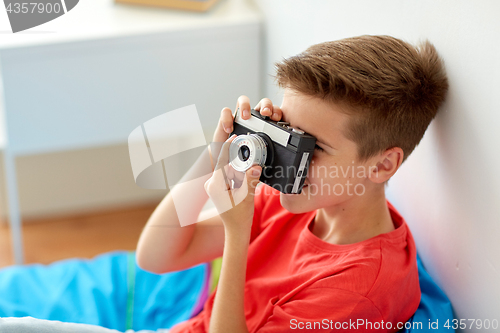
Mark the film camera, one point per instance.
(283, 152)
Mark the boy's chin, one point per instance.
(295, 203)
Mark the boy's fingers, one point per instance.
(230, 172)
(277, 113)
(244, 105)
(253, 175)
(257, 107)
(225, 125)
(219, 177)
(239, 176)
(224, 153)
(265, 107)
(226, 119)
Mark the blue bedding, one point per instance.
(435, 307)
(112, 291)
(109, 290)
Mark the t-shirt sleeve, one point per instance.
(323, 310)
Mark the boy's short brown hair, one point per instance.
(391, 89)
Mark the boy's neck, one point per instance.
(355, 220)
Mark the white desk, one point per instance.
(90, 77)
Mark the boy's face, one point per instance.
(335, 174)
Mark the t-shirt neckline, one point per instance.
(399, 231)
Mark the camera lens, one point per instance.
(244, 153)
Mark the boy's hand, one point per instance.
(225, 126)
(266, 108)
(232, 192)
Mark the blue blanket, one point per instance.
(109, 290)
(112, 291)
(434, 309)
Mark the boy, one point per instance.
(338, 255)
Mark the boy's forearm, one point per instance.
(228, 314)
(163, 240)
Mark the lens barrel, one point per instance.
(246, 151)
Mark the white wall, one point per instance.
(71, 97)
(448, 190)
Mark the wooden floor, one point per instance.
(83, 236)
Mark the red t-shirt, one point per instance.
(297, 281)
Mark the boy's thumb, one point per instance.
(253, 175)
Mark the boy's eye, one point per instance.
(318, 148)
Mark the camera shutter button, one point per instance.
(298, 131)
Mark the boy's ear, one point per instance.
(386, 165)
